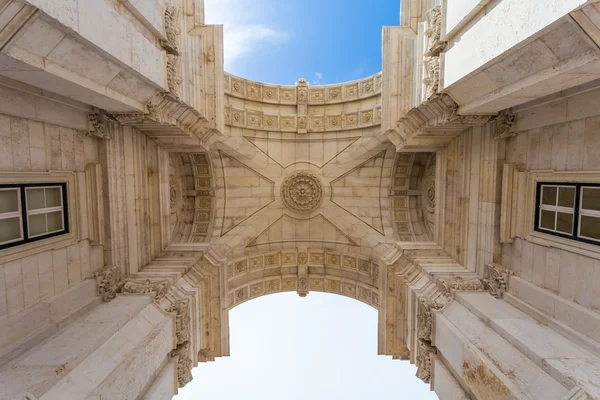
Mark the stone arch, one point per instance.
(303, 271)
(191, 197)
(413, 196)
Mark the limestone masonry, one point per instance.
(145, 192)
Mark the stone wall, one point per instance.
(572, 272)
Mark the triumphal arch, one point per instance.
(145, 192)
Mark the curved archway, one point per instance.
(325, 348)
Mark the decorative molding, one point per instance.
(497, 279)
(280, 122)
(203, 202)
(512, 203)
(302, 191)
(312, 95)
(95, 205)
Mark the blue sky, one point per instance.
(324, 41)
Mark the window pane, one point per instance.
(10, 229)
(590, 227)
(9, 201)
(53, 197)
(547, 220)
(566, 197)
(37, 224)
(564, 223)
(55, 221)
(35, 199)
(591, 199)
(549, 195)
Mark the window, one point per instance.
(32, 212)
(569, 210)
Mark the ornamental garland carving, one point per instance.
(423, 360)
(434, 46)
(174, 79)
(425, 317)
(158, 289)
(432, 76)
(182, 320)
(172, 30)
(184, 364)
(302, 191)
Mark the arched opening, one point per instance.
(319, 347)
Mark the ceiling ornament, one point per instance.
(302, 191)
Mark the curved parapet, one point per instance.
(303, 108)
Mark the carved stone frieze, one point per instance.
(182, 320)
(423, 360)
(184, 364)
(497, 279)
(302, 191)
(156, 288)
(458, 283)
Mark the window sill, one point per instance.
(569, 245)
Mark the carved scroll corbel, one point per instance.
(102, 124)
(504, 126)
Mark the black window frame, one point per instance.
(576, 211)
(65, 205)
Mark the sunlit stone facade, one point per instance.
(144, 192)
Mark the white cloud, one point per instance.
(243, 29)
(318, 79)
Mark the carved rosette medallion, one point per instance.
(302, 191)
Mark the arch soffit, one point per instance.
(303, 271)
